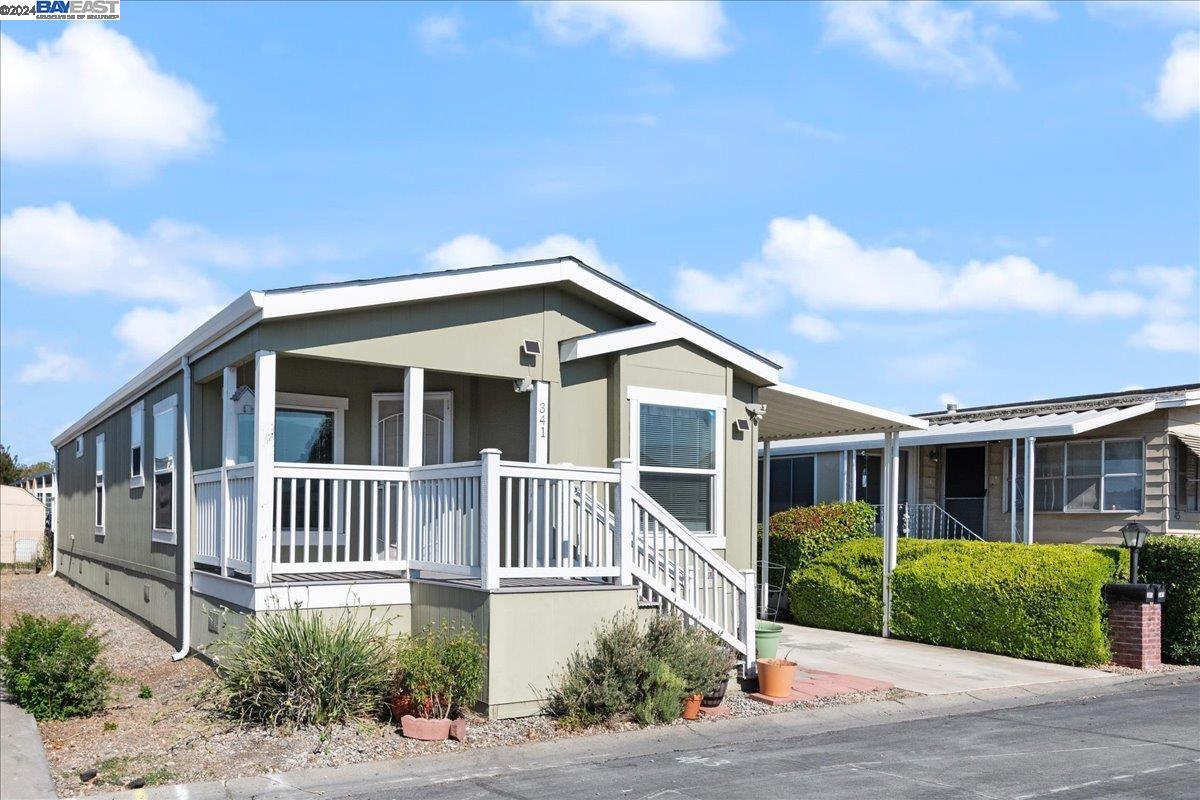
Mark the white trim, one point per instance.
(715, 538)
(447, 399)
(883, 418)
(100, 490)
(605, 342)
(280, 595)
(539, 423)
(318, 402)
(157, 534)
(137, 410)
(671, 397)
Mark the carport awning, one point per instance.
(1189, 440)
(1069, 423)
(794, 412)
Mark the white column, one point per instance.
(746, 614)
(1027, 528)
(625, 520)
(489, 492)
(889, 497)
(1012, 492)
(264, 462)
(764, 518)
(843, 473)
(539, 423)
(414, 417)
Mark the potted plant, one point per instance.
(775, 676)
(691, 706)
(438, 672)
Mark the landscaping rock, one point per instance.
(458, 729)
(427, 730)
(87, 776)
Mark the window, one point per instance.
(137, 435)
(678, 457)
(1187, 484)
(793, 482)
(388, 415)
(79, 447)
(308, 430)
(100, 484)
(165, 433)
(1082, 476)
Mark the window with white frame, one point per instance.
(137, 436)
(1187, 483)
(679, 455)
(165, 432)
(1083, 476)
(387, 413)
(100, 484)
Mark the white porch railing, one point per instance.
(487, 519)
(928, 521)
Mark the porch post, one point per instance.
(747, 622)
(228, 457)
(489, 534)
(1027, 531)
(843, 473)
(625, 523)
(414, 416)
(764, 521)
(264, 462)
(890, 496)
(539, 423)
(1012, 492)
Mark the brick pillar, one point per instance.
(1136, 631)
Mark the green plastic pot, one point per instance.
(766, 639)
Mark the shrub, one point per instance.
(637, 672)
(801, 535)
(441, 668)
(1041, 601)
(290, 668)
(52, 668)
(1174, 561)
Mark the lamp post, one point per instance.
(1134, 534)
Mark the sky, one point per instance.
(906, 204)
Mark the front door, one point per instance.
(965, 485)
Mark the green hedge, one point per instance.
(1175, 562)
(800, 535)
(1040, 602)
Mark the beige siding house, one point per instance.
(500, 446)
(1098, 462)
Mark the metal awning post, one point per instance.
(890, 499)
(1027, 527)
(1012, 492)
(764, 517)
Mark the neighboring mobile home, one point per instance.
(526, 448)
(1095, 463)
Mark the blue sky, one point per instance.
(900, 202)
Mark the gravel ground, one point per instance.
(176, 737)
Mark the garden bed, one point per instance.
(174, 736)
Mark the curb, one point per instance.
(24, 773)
(385, 777)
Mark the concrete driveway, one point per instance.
(922, 668)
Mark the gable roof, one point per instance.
(254, 307)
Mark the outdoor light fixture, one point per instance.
(1134, 534)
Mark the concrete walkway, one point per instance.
(24, 774)
(922, 668)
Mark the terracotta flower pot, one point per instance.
(429, 730)
(691, 706)
(775, 676)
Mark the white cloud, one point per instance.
(55, 249)
(1178, 93)
(92, 97)
(149, 332)
(925, 37)
(473, 250)
(696, 290)
(440, 32)
(814, 328)
(786, 363)
(1170, 335)
(1039, 10)
(687, 29)
(827, 269)
(53, 366)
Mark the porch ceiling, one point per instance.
(795, 413)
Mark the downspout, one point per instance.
(185, 524)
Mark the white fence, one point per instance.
(486, 519)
